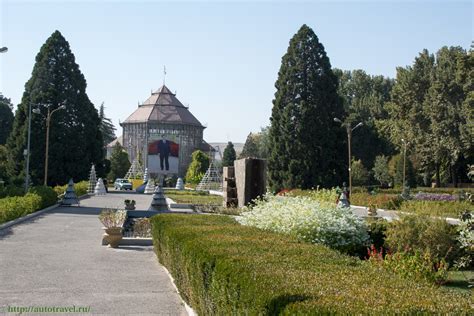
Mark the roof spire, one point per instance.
(164, 74)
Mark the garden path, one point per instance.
(56, 259)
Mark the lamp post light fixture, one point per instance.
(48, 121)
(27, 150)
(349, 130)
(3, 49)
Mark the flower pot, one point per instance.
(130, 207)
(113, 236)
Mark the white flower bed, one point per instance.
(308, 220)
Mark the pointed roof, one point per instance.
(163, 106)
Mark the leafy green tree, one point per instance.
(3, 163)
(380, 170)
(229, 155)
(359, 173)
(198, 167)
(6, 119)
(306, 147)
(107, 128)
(250, 147)
(119, 163)
(364, 97)
(396, 171)
(75, 140)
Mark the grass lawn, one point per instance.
(193, 197)
(458, 281)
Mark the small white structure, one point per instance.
(145, 175)
(150, 187)
(100, 188)
(180, 184)
(92, 180)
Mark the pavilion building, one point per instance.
(163, 133)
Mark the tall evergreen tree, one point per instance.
(75, 140)
(306, 146)
(107, 128)
(198, 167)
(6, 118)
(250, 147)
(229, 155)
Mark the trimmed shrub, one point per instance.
(11, 190)
(385, 201)
(308, 220)
(423, 233)
(436, 208)
(222, 268)
(17, 206)
(47, 194)
(80, 188)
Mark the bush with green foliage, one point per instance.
(17, 206)
(419, 265)
(324, 196)
(11, 190)
(436, 208)
(309, 221)
(229, 155)
(423, 233)
(47, 194)
(198, 167)
(222, 268)
(80, 188)
(119, 163)
(360, 175)
(385, 201)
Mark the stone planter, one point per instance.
(113, 236)
(129, 207)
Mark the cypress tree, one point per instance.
(75, 141)
(306, 146)
(250, 147)
(119, 163)
(107, 128)
(229, 155)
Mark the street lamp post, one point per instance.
(27, 176)
(349, 131)
(48, 121)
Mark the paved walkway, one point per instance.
(57, 259)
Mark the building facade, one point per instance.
(163, 134)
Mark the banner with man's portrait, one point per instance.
(163, 156)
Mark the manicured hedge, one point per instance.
(222, 268)
(17, 206)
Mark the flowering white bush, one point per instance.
(308, 220)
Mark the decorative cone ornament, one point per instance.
(150, 187)
(70, 196)
(343, 201)
(92, 181)
(180, 184)
(145, 176)
(158, 203)
(100, 188)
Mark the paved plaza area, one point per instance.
(56, 260)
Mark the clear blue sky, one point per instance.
(221, 57)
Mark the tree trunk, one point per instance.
(438, 178)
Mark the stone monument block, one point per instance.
(250, 179)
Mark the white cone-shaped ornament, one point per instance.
(150, 187)
(100, 188)
(180, 184)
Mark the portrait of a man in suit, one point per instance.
(164, 148)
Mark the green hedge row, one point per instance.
(17, 206)
(222, 268)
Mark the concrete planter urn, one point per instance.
(113, 224)
(113, 236)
